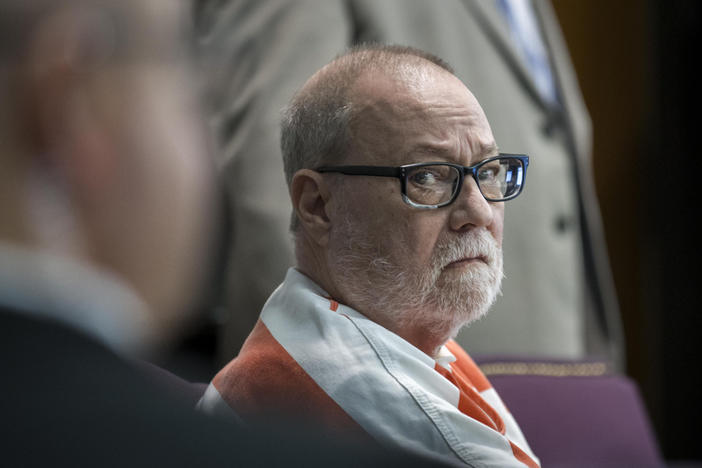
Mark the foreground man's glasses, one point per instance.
(436, 184)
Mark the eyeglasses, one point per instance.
(435, 184)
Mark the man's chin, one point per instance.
(467, 296)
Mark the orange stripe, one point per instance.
(264, 380)
(467, 368)
(471, 380)
(520, 455)
(472, 404)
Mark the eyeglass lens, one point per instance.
(435, 184)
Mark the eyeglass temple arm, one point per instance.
(381, 171)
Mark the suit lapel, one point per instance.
(573, 106)
(496, 28)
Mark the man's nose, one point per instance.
(470, 209)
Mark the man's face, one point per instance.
(400, 265)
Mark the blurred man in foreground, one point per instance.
(106, 223)
(106, 214)
(398, 192)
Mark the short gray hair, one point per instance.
(315, 125)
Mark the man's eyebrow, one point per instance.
(436, 150)
(487, 150)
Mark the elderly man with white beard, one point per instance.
(398, 192)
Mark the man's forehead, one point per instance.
(439, 119)
(404, 96)
(438, 151)
(408, 85)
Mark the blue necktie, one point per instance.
(526, 34)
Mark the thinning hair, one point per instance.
(105, 32)
(315, 125)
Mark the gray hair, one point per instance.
(315, 125)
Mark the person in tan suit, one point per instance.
(558, 296)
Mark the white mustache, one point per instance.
(475, 244)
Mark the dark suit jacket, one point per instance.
(66, 400)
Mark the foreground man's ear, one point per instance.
(63, 116)
(309, 194)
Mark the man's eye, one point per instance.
(423, 178)
(488, 174)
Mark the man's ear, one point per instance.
(62, 110)
(310, 195)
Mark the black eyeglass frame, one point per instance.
(401, 172)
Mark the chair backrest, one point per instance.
(575, 413)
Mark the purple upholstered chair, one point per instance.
(575, 413)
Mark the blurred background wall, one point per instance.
(636, 61)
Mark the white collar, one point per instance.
(444, 357)
(50, 286)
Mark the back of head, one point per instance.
(104, 157)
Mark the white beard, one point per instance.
(433, 298)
